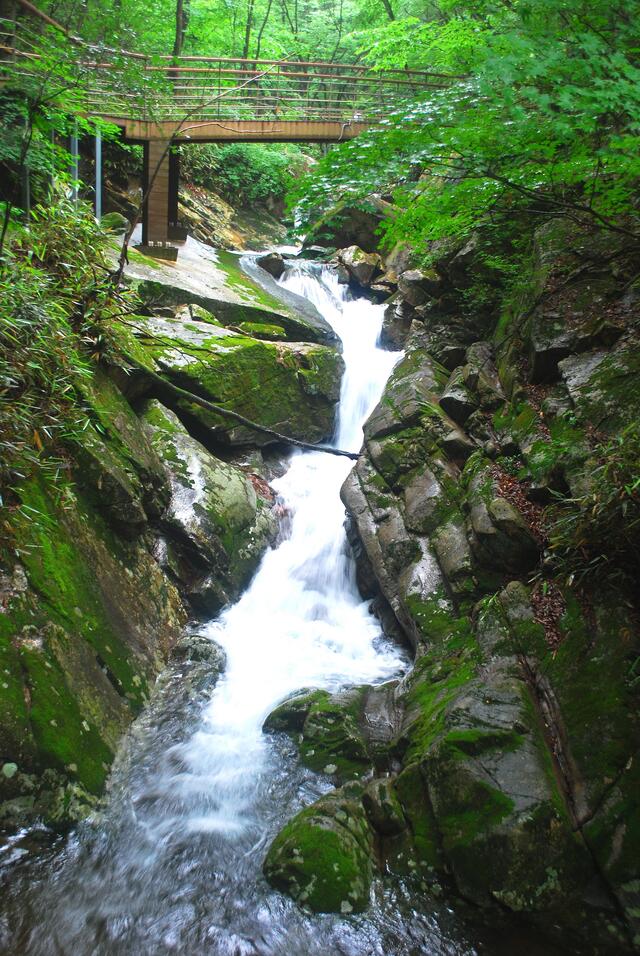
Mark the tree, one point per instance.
(539, 108)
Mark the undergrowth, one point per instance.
(55, 300)
(594, 538)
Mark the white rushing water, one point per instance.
(301, 623)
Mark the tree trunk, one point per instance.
(247, 30)
(387, 5)
(182, 22)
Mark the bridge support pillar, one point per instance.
(155, 223)
(176, 229)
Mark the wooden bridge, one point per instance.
(163, 101)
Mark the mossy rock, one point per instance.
(88, 623)
(290, 715)
(231, 297)
(263, 330)
(291, 388)
(323, 857)
(214, 510)
(115, 462)
(328, 729)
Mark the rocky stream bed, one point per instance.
(493, 764)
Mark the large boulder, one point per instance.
(214, 516)
(417, 286)
(343, 734)
(231, 291)
(115, 462)
(88, 620)
(323, 858)
(292, 388)
(363, 267)
(273, 263)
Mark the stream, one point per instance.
(172, 862)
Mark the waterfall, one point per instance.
(301, 623)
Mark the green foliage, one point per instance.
(49, 325)
(595, 537)
(246, 172)
(541, 113)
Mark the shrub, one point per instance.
(243, 172)
(595, 537)
(52, 300)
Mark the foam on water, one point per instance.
(301, 623)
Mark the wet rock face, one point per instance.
(273, 263)
(216, 526)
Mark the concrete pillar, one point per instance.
(75, 162)
(174, 180)
(98, 189)
(155, 227)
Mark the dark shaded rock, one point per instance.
(273, 263)
(317, 253)
(383, 808)
(395, 326)
(481, 376)
(347, 226)
(501, 538)
(457, 400)
(550, 341)
(451, 355)
(417, 287)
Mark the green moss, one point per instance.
(449, 662)
(65, 739)
(472, 809)
(242, 285)
(263, 330)
(414, 799)
(57, 569)
(332, 741)
(289, 389)
(323, 856)
(140, 259)
(477, 741)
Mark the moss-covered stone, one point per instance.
(323, 857)
(291, 388)
(87, 622)
(115, 463)
(214, 513)
(329, 728)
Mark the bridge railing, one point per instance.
(117, 83)
(219, 88)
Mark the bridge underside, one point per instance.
(270, 130)
(160, 223)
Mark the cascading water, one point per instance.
(173, 864)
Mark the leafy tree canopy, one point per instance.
(542, 113)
